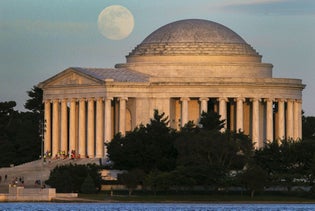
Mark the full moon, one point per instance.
(115, 22)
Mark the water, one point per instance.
(151, 207)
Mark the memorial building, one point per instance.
(182, 69)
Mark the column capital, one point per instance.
(90, 99)
(99, 99)
(239, 99)
(203, 99)
(47, 101)
(110, 98)
(254, 99)
(298, 100)
(223, 98)
(122, 98)
(290, 100)
(55, 100)
(64, 100)
(82, 100)
(184, 99)
(281, 100)
(269, 100)
(73, 100)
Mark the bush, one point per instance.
(70, 178)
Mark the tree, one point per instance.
(146, 147)
(284, 161)
(132, 179)
(70, 178)
(308, 125)
(209, 154)
(19, 137)
(254, 178)
(211, 121)
(35, 103)
(88, 185)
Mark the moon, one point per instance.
(115, 22)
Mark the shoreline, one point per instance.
(177, 199)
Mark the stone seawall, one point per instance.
(33, 194)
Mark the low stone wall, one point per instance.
(66, 195)
(3, 197)
(31, 194)
(117, 187)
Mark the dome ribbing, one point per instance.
(193, 37)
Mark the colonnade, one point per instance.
(85, 124)
(84, 128)
(267, 119)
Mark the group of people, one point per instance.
(61, 155)
(17, 181)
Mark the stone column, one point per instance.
(255, 124)
(297, 116)
(281, 119)
(300, 119)
(99, 128)
(108, 121)
(122, 115)
(232, 116)
(222, 111)
(90, 128)
(184, 113)
(289, 122)
(55, 129)
(203, 104)
(82, 128)
(64, 126)
(269, 119)
(240, 114)
(72, 126)
(47, 135)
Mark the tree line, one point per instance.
(20, 134)
(159, 158)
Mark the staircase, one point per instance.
(36, 170)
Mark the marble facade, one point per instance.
(182, 69)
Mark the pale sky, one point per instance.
(40, 38)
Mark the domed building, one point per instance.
(182, 69)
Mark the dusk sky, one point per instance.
(40, 38)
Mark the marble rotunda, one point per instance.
(182, 69)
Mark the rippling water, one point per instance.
(152, 206)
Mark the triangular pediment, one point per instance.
(71, 77)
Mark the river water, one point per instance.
(151, 206)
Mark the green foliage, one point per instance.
(35, 103)
(308, 125)
(146, 147)
(132, 179)
(194, 156)
(284, 161)
(209, 155)
(20, 140)
(211, 121)
(203, 155)
(254, 178)
(19, 135)
(70, 178)
(88, 185)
